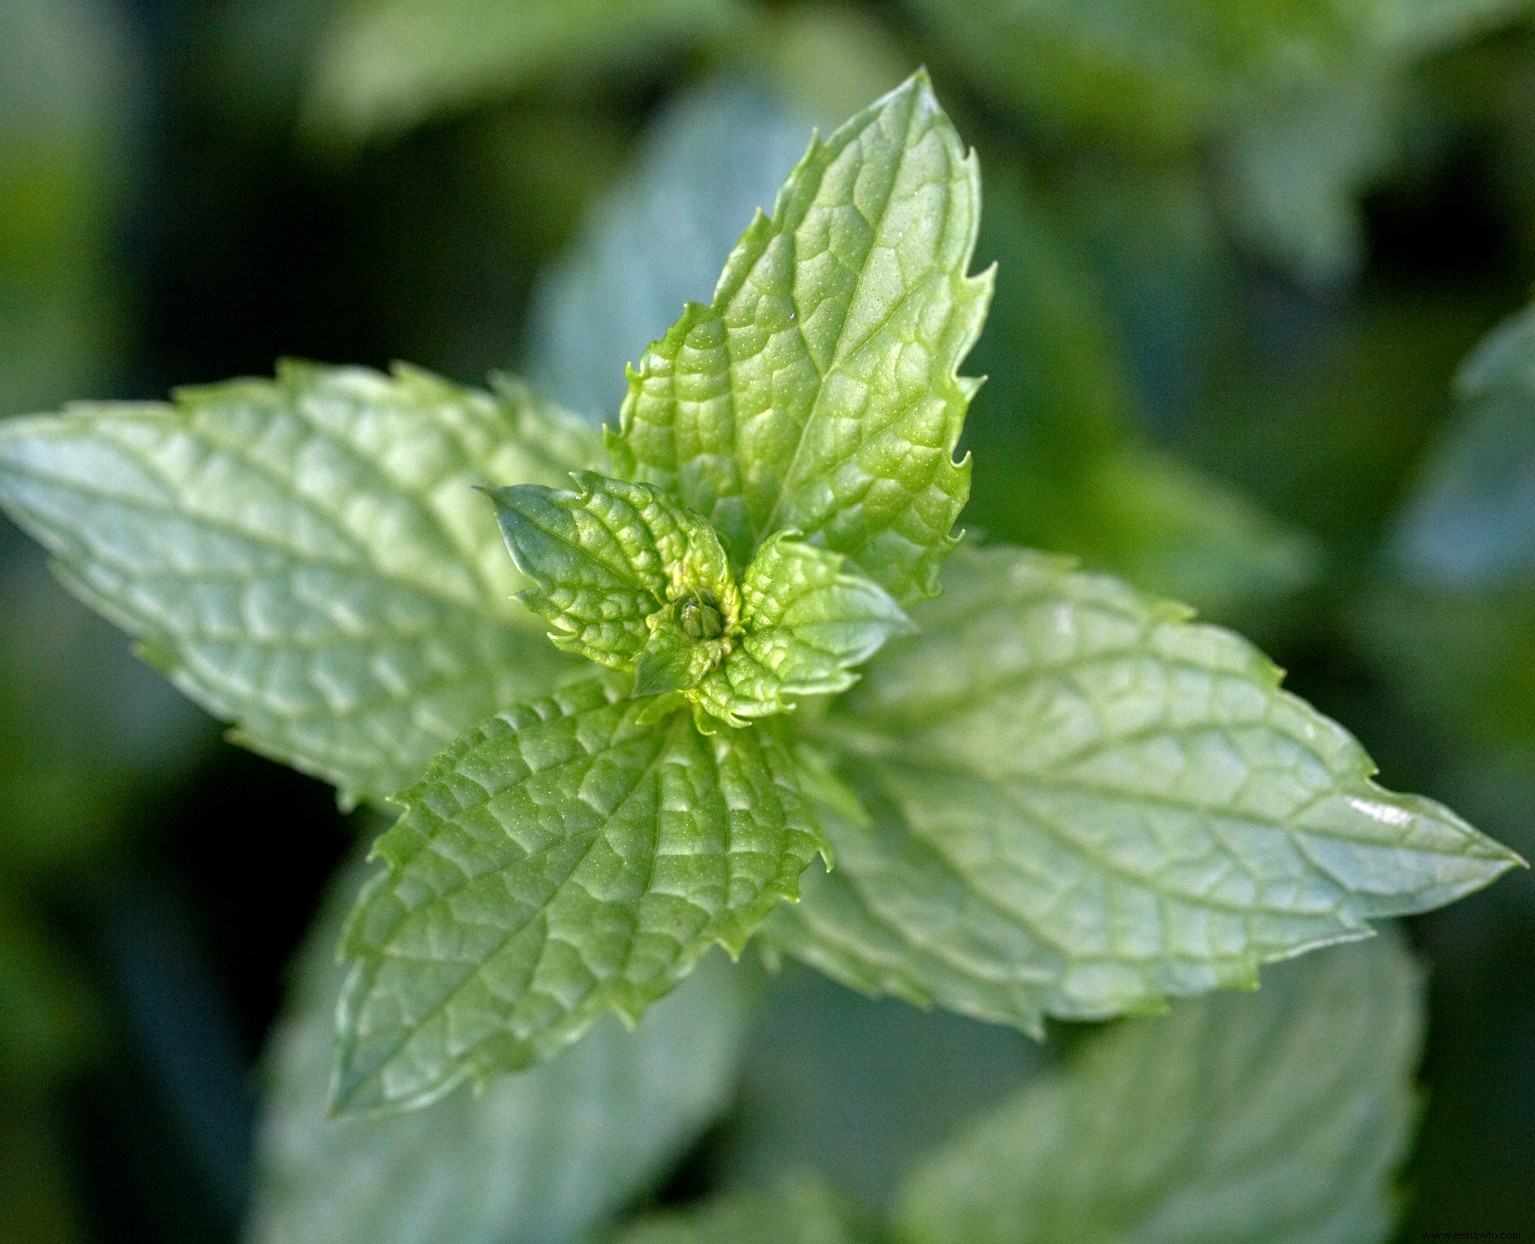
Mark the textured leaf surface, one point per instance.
(306, 557)
(568, 857)
(804, 1212)
(1079, 804)
(390, 64)
(608, 558)
(1275, 1118)
(806, 624)
(818, 391)
(534, 1158)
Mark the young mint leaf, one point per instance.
(818, 392)
(804, 1211)
(805, 625)
(1272, 1118)
(305, 556)
(569, 856)
(1079, 804)
(633, 581)
(609, 558)
(537, 1158)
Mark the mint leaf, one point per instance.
(537, 1158)
(805, 625)
(609, 558)
(569, 856)
(1079, 804)
(1273, 1118)
(633, 581)
(818, 392)
(805, 1211)
(305, 556)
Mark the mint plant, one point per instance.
(620, 720)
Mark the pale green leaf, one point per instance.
(818, 392)
(607, 559)
(387, 65)
(1274, 1118)
(1080, 804)
(859, 1088)
(306, 557)
(804, 1211)
(805, 625)
(534, 1158)
(568, 857)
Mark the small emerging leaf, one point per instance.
(568, 857)
(305, 557)
(1079, 804)
(1272, 1118)
(610, 557)
(805, 625)
(818, 391)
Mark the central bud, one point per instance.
(699, 616)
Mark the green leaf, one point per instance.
(609, 558)
(818, 392)
(805, 625)
(305, 557)
(1276, 1118)
(537, 1158)
(388, 65)
(805, 1211)
(1080, 804)
(568, 857)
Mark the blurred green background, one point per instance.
(1243, 253)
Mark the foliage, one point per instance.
(727, 671)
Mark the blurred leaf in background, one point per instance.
(1294, 106)
(388, 64)
(538, 1157)
(1273, 1118)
